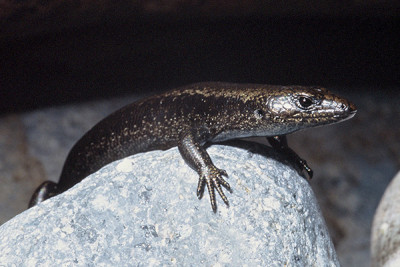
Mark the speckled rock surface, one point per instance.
(143, 210)
(385, 239)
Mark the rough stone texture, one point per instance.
(385, 239)
(143, 211)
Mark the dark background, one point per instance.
(62, 52)
(148, 53)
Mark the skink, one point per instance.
(191, 116)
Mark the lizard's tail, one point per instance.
(46, 190)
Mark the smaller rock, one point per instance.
(385, 240)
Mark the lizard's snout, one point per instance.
(348, 110)
(352, 109)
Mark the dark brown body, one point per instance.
(190, 116)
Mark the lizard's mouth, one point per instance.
(349, 112)
(345, 117)
(352, 113)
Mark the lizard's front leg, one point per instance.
(280, 143)
(191, 148)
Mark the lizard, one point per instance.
(192, 116)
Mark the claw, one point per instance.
(223, 182)
(222, 172)
(304, 165)
(212, 177)
(212, 196)
(221, 193)
(200, 187)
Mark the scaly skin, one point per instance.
(189, 117)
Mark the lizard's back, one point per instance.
(190, 116)
(149, 124)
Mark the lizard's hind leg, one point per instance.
(46, 190)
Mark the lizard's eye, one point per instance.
(258, 113)
(305, 102)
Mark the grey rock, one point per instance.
(143, 211)
(385, 239)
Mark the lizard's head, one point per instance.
(299, 107)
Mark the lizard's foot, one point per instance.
(212, 177)
(280, 144)
(304, 166)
